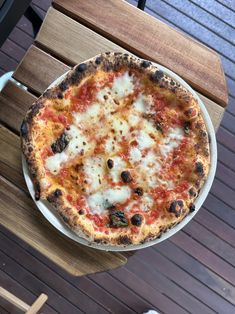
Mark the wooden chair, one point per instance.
(28, 309)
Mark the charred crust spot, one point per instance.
(65, 218)
(98, 241)
(145, 64)
(81, 68)
(34, 110)
(172, 82)
(192, 192)
(191, 208)
(156, 76)
(60, 95)
(24, 129)
(64, 85)
(136, 220)
(81, 212)
(37, 191)
(107, 53)
(139, 191)
(54, 195)
(117, 53)
(176, 207)
(98, 60)
(124, 240)
(199, 168)
(126, 176)
(30, 149)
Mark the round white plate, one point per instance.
(53, 217)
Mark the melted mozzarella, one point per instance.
(144, 140)
(171, 141)
(146, 202)
(78, 144)
(100, 201)
(123, 85)
(118, 166)
(120, 126)
(133, 119)
(54, 163)
(91, 115)
(94, 173)
(139, 104)
(149, 167)
(135, 155)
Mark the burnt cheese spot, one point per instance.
(126, 176)
(81, 212)
(192, 192)
(139, 191)
(124, 240)
(110, 163)
(136, 220)
(157, 76)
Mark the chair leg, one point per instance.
(34, 18)
(141, 4)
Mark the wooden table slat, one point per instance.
(150, 38)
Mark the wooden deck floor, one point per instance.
(194, 271)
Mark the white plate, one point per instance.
(53, 217)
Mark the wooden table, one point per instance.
(74, 31)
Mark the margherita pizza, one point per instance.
(119, 148)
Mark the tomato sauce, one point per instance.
(50, 115)
(84, 96)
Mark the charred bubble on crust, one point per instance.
(157, 76)
(81, 67)
(117, 219)
(60, 95)
(136, 220)
(60, 144)
(37, 191)
(126, 176)
(65, 218)
(172, 83)
(64, 85)
(199, 168)
(192, 192)
(176, 207)
(98, 60)
(145, 64)
(24, 129)
(34, 110)
(191, 208)
(81, 212)
(125, 240)
(54, 195)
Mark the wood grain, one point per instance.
(14, 103)
(33, 228)
(69, 40)
(154, 40)
(36, 63)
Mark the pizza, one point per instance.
(118, 148)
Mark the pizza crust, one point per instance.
(55, 194)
